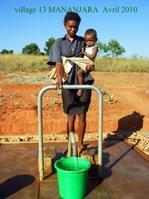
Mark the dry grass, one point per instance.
(22, 63)
(32, 63)
(122, 65)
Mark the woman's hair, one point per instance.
(72, 16)
(91, 31)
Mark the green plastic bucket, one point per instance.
(72, 177)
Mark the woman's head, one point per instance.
(71, 23)
(90, 37)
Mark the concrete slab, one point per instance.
(18, 171)
(19, 175)
(49, 188)
(125, 174)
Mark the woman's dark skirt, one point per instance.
(74, 105)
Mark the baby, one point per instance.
(90, 53)
(86, 64)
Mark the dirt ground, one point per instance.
(126, 104)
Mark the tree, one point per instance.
(102, 47)
(10, 51)
(5, 51)
(114, 48)
(31, 49)
(48, 45)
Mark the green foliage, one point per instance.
(102, 47)
(31, 49)
(5, 51)
(54, 100)
(112, 49)
(48, 45)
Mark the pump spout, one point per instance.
(72, 148)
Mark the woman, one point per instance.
(71, 46)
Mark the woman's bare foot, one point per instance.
(79, 92)
(81, 147)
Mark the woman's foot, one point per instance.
(79, 92)
(81, 148)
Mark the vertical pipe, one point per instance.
(40, 137)
(100, 130)
(73, 144)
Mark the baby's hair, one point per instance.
(91, 31)
(72, 16)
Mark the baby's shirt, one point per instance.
(89, 50)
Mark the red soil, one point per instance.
(18, 106)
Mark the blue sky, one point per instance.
(131, 30)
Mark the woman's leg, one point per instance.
(70, 123)
(81, 131)
(80, 77)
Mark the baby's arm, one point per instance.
(93, 55)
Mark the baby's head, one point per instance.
(90, 37)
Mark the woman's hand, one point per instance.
(59, 82)
(59, 72)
